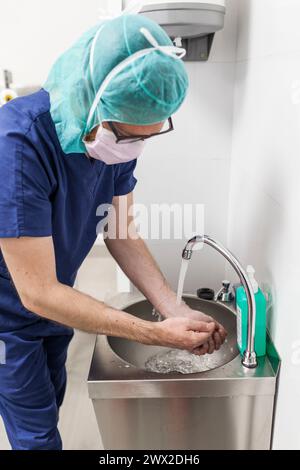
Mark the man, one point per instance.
(64, 151)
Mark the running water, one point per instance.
(176, 360)
(182, 274)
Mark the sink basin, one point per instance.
(227, 406)
(137, 354)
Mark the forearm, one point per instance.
(138, 264)
(31, 263)
(65, 305)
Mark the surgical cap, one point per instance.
(146, 91)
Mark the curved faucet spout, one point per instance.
(188, 249)
(249, 359)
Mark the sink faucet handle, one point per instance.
(226, 285)
(225, 293)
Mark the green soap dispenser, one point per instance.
(242, 314)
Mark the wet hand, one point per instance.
(183, 333)
(218, 337)
(170, 309)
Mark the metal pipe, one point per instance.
(249, 359)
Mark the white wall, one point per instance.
(192, 164)
(264, 191)
(33, 33)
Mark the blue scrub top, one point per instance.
(45, 192)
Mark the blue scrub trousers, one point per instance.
(32, 384)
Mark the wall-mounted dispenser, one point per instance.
(190, 24)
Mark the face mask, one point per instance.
(106, 149)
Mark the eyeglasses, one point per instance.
(120, 138)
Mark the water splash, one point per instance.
(184, 362)
(157, 315)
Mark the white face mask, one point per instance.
(106, 149)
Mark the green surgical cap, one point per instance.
(146, 91)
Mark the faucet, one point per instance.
(249, 359)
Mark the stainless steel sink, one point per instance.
(137, 354)
(226, 407)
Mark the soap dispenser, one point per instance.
(242, 313)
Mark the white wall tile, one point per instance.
(206, 184)
(224, 44)
(267, 27)
(191, 165)
(33, 34)
(267, 124)
(264, 220)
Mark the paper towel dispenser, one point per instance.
(190, 24)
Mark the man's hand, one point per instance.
(183, 333)
(218, 337)
(169, 308)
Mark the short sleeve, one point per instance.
(25, 208)
(124, 178)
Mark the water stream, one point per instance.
(182, 274)
(176, 360)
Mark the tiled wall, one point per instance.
(264, 201)
(33, 33)
(192, 164)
